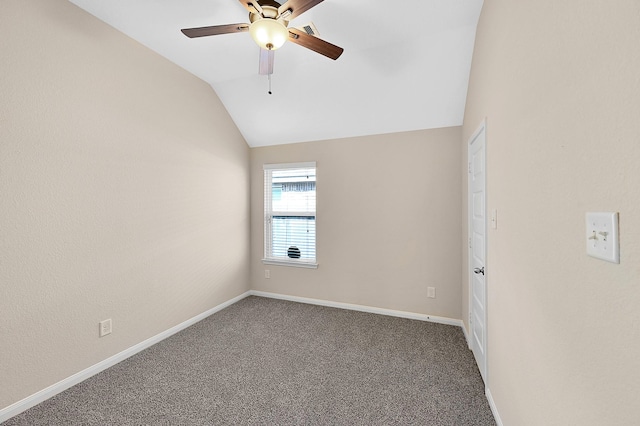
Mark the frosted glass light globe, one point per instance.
(268, 33)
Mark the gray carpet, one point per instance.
(271, 362)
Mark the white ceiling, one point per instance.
(405, 64)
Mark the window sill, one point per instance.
(294, 264)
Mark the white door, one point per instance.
(477, 249)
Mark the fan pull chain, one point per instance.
(270, 46)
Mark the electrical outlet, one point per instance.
(105, 327)
(267, 273)
(431, 292)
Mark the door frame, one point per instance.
(482, 128)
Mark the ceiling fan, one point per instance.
(269, 27)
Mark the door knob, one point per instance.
(479, 270)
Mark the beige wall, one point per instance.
(559, 85)
(123, 195)
(388, 221)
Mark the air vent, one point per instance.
(310, 29)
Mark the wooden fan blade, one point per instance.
(215, 30)
(314, 43)
(297, 7)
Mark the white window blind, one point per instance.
(290, 214)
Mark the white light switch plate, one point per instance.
(602, 236)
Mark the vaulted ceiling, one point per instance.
(405, 64)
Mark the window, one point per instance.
(290, 214)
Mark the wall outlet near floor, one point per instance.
(105, 327)
(267, 273)
(431, 292)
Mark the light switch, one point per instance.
(602, 236)
(494, 219)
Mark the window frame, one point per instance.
(269, 213)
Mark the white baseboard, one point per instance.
(361, 308)
(44, 394)
(494, 409)
(466, 335)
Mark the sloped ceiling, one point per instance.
(405, 64)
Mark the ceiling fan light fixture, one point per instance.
(269, 33)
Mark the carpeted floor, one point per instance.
(272, 362)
